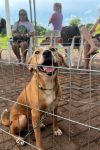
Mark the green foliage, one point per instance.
(3, 32)
(89, 26)
(75, 21)
(41, 30)
(3, 42)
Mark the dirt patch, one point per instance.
(80, 103)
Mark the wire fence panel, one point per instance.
(78, 112)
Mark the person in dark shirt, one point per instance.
(2, 26)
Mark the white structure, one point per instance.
(7, 14)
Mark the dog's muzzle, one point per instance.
(47, 55)
(49, 65)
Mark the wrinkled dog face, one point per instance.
(45, 60)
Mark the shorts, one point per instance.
(21, 39)
(97, 36)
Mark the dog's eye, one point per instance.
(37, 52)
(53, 49)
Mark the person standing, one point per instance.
(2, 26)
(56, 18)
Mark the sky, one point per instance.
(86, 10)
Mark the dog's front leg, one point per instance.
(56, 129)
(37, 131)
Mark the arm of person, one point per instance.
(14, 30)
(31, 30)
(52, 19)
(30, 34)
(15, 33)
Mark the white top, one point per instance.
(28, 25)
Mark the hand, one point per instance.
(17, 34)
(22, 35)
(27, 35)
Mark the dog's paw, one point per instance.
(6, 110)
(58, 132)
(42, 125)
(20, 141)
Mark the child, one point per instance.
(57, 17)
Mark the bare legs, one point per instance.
(86, 56)
(88, 38)
(24, 46)
(16, 49)
(90, 45)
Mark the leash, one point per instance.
(30, 132)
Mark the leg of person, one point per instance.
(86, 56)
(15, 47)
(97, 42)
(24, 46)
(87, 37)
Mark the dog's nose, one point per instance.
(47, 53)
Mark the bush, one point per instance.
(41, 30)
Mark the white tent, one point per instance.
(7, 13)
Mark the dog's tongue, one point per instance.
(48, 69)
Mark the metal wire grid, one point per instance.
(8, 55)
(68, 74)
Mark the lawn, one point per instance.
(3, 42)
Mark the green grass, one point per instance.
(3, 42)
(40, 40)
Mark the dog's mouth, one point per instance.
(48, 67)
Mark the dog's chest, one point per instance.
(49, 97)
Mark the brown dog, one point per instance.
(40, 94)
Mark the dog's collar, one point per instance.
(43, 89)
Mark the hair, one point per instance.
(58, 7)
(25, 12)
(98, 7)
(98, 20)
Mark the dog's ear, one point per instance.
(53, 49)
(61, 60)
(31, 65)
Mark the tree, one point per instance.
(41, 30)
(75, 21)
(89, 26)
